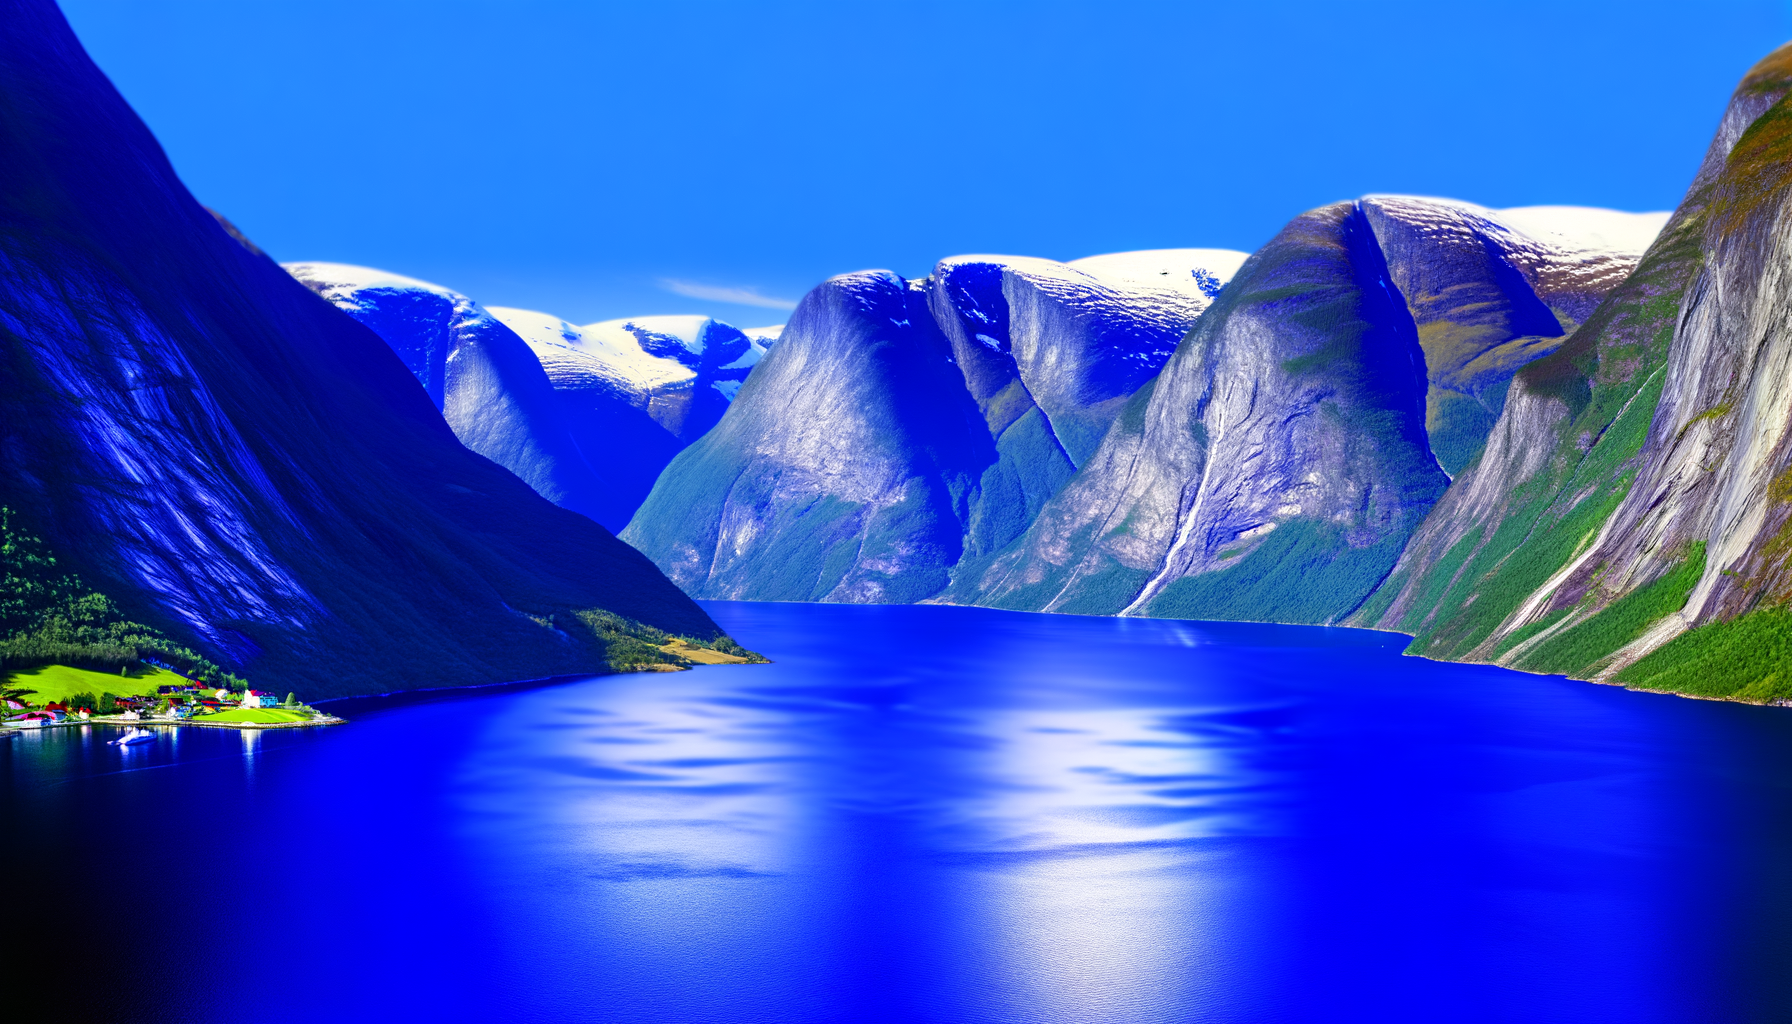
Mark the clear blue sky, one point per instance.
(577, 157)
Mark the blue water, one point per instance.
(932, 814)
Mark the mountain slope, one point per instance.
(1491, 290)
(1283, 443)
(487, 382)
(968, 398)
(1632, 488)
(843, 469)
(235, 460)
(588, 416)
(1274, 469)
(1114, 487)
(635, 392)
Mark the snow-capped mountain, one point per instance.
(1076, 337)
(588, 416)
(900, 426)
(1154, 439)
(1629, 518)
(484, 378)
(1277, 465)
(1492, 290)
(681, 370)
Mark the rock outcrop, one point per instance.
(1633, 487)
(1272, 470)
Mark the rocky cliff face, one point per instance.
(1491, 290)
(1273, 468)
(480, 374)
(234, 459)
(969, 396)
(844, 469)
(1632, 488)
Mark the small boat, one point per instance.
(132, 738)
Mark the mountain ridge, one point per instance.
(238, 463)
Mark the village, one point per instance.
(58, 695)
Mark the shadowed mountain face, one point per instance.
(635, 392)
(1491, 290)
(1636, 484)
(900, 429)
(588, 416)
(485, 380)
(234, 459)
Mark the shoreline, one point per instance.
(145, 723)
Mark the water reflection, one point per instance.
(1088, 842)
(1075, 847)
(936, 814)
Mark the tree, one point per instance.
(48, 616)
(291, 699)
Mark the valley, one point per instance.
(1550, 437)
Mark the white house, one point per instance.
(260, 699)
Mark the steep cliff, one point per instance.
(843, 470)
(1274, 467)
(237, 461)
(1632, 487)
(1126, 478)
(1043, 355)
(485, 380)
(1274, 470)
(1491, 290)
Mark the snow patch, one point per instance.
(1568, 230)
(608, 350)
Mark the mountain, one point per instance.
(901, 427)
(635, 392)
(588, 416)
(585, 415)
(485, 380)
(1128, 463)
(1491, 290)
(1628, 519)
(239, 463)
(1271, 470)
(1276, 467)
